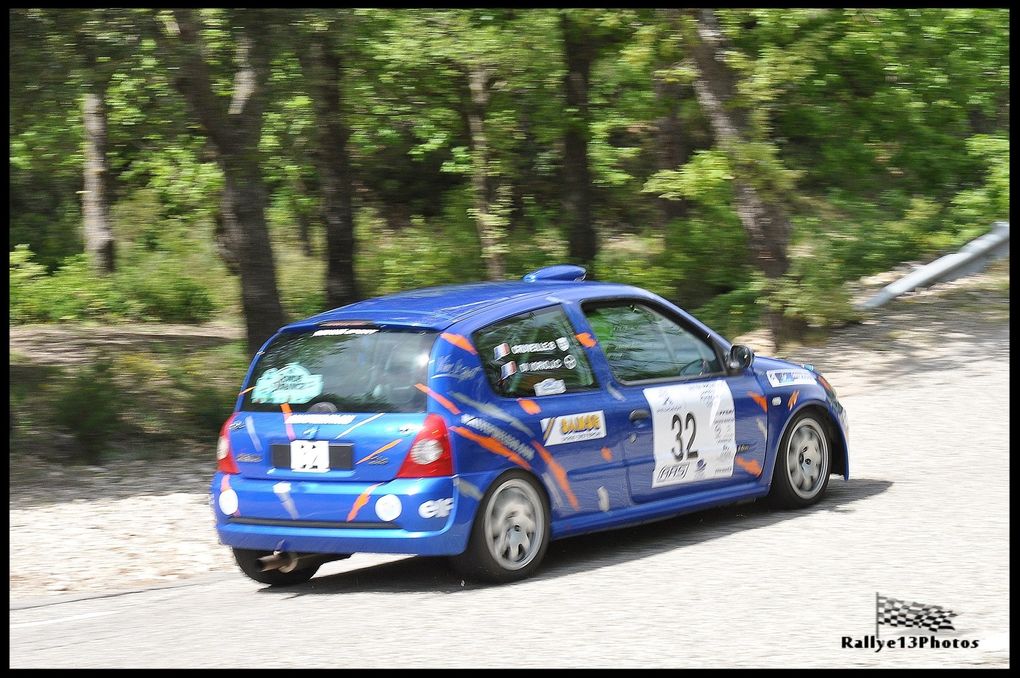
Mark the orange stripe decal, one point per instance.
(750, 465)
(361, 501)
(607, 454)
(286, 420)
(793, 400)
(250, 388)
(492, 445)
(760, 399)
(586, 340)
(529, 406)
(445, 402)
(459, 341)
(558, 473)
(380, 450)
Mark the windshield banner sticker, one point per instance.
(342, 330)
(290, 384)
(694, 432)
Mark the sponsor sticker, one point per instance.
(436, 508)
(790, 377)
(574, 428)
(550, 387)
(562, 344)
(569, 361)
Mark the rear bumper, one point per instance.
(420, 516)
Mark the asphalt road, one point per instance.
(924, 518)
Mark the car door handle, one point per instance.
(638, 415)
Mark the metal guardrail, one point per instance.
(972, 258)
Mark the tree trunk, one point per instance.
(99, 240)
(322, 69)
(579, 52)
(672, 149)
(489, 232)
(764, 218)
(244, 218)
(235, 131)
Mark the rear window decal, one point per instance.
(290, 384)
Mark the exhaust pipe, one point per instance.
(288, 561)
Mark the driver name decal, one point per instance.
(693, 435)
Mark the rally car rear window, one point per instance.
(342, 369)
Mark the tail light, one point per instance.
(224, 457)
(430, 454)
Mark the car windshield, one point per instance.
(342, 370)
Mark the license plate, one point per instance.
(309, 455)
(312, 456)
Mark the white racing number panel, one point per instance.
(694, 432)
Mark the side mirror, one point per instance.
(740, 358)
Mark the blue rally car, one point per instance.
(480, 421)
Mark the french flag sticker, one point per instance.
(508, 370)
(501, 351)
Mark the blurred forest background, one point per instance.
(254, 166)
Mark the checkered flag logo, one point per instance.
(892, 612)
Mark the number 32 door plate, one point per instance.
(693, 432)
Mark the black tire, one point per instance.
(248, 561)
(478, 561)
(815, 447)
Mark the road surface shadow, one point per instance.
(588, 552)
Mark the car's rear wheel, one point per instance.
(248, 561)
(802, 464)
(510, 534)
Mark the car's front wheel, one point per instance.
(248, 561)
(802, 463)
(510, 534)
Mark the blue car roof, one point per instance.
(437, 308)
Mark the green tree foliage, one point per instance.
(884, 132)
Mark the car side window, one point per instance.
(641, 343)
(534, 354)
